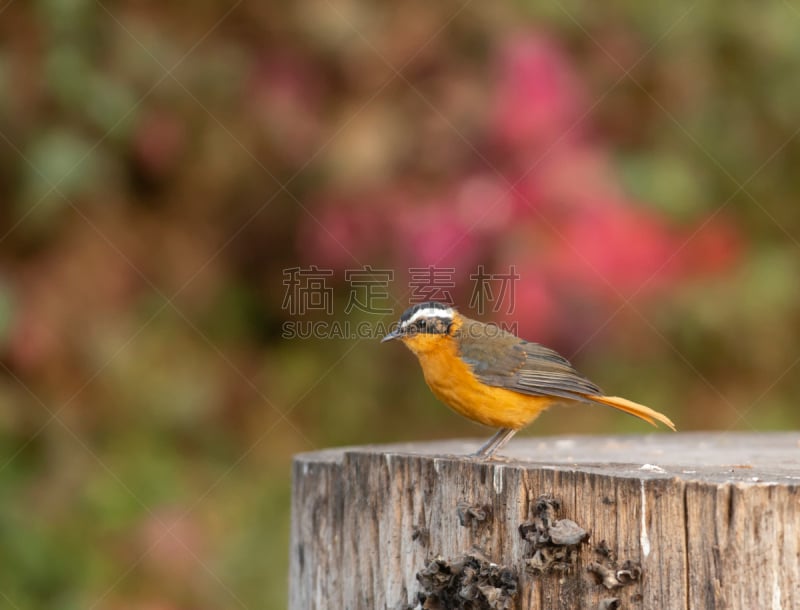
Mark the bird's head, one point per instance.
(425, 325)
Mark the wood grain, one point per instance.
(708, 520)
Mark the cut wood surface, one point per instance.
(696, 520)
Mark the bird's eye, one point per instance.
(423, 323)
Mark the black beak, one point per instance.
(392, 335)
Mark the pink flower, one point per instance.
(538, 99)
(431, 233)
(615, 246)
(535, 311)
(343, 231)
(550, 204)
(484, 203)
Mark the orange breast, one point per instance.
(452, 382)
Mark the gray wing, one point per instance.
(503, 360)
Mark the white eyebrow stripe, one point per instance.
(429, 312)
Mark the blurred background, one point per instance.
(183, 185)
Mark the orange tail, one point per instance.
(634, 408)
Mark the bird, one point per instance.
(493, 377)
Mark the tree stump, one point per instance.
(668, 521)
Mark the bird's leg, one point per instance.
(501, 442)
(500, 438)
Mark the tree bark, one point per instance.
(664, 521)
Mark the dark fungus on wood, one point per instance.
(421, 534)
(608, 573)
(605, 551)
(472, 515)
(705, 529)
(466, 583)
(553, 543)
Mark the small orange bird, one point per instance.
(493, 377)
